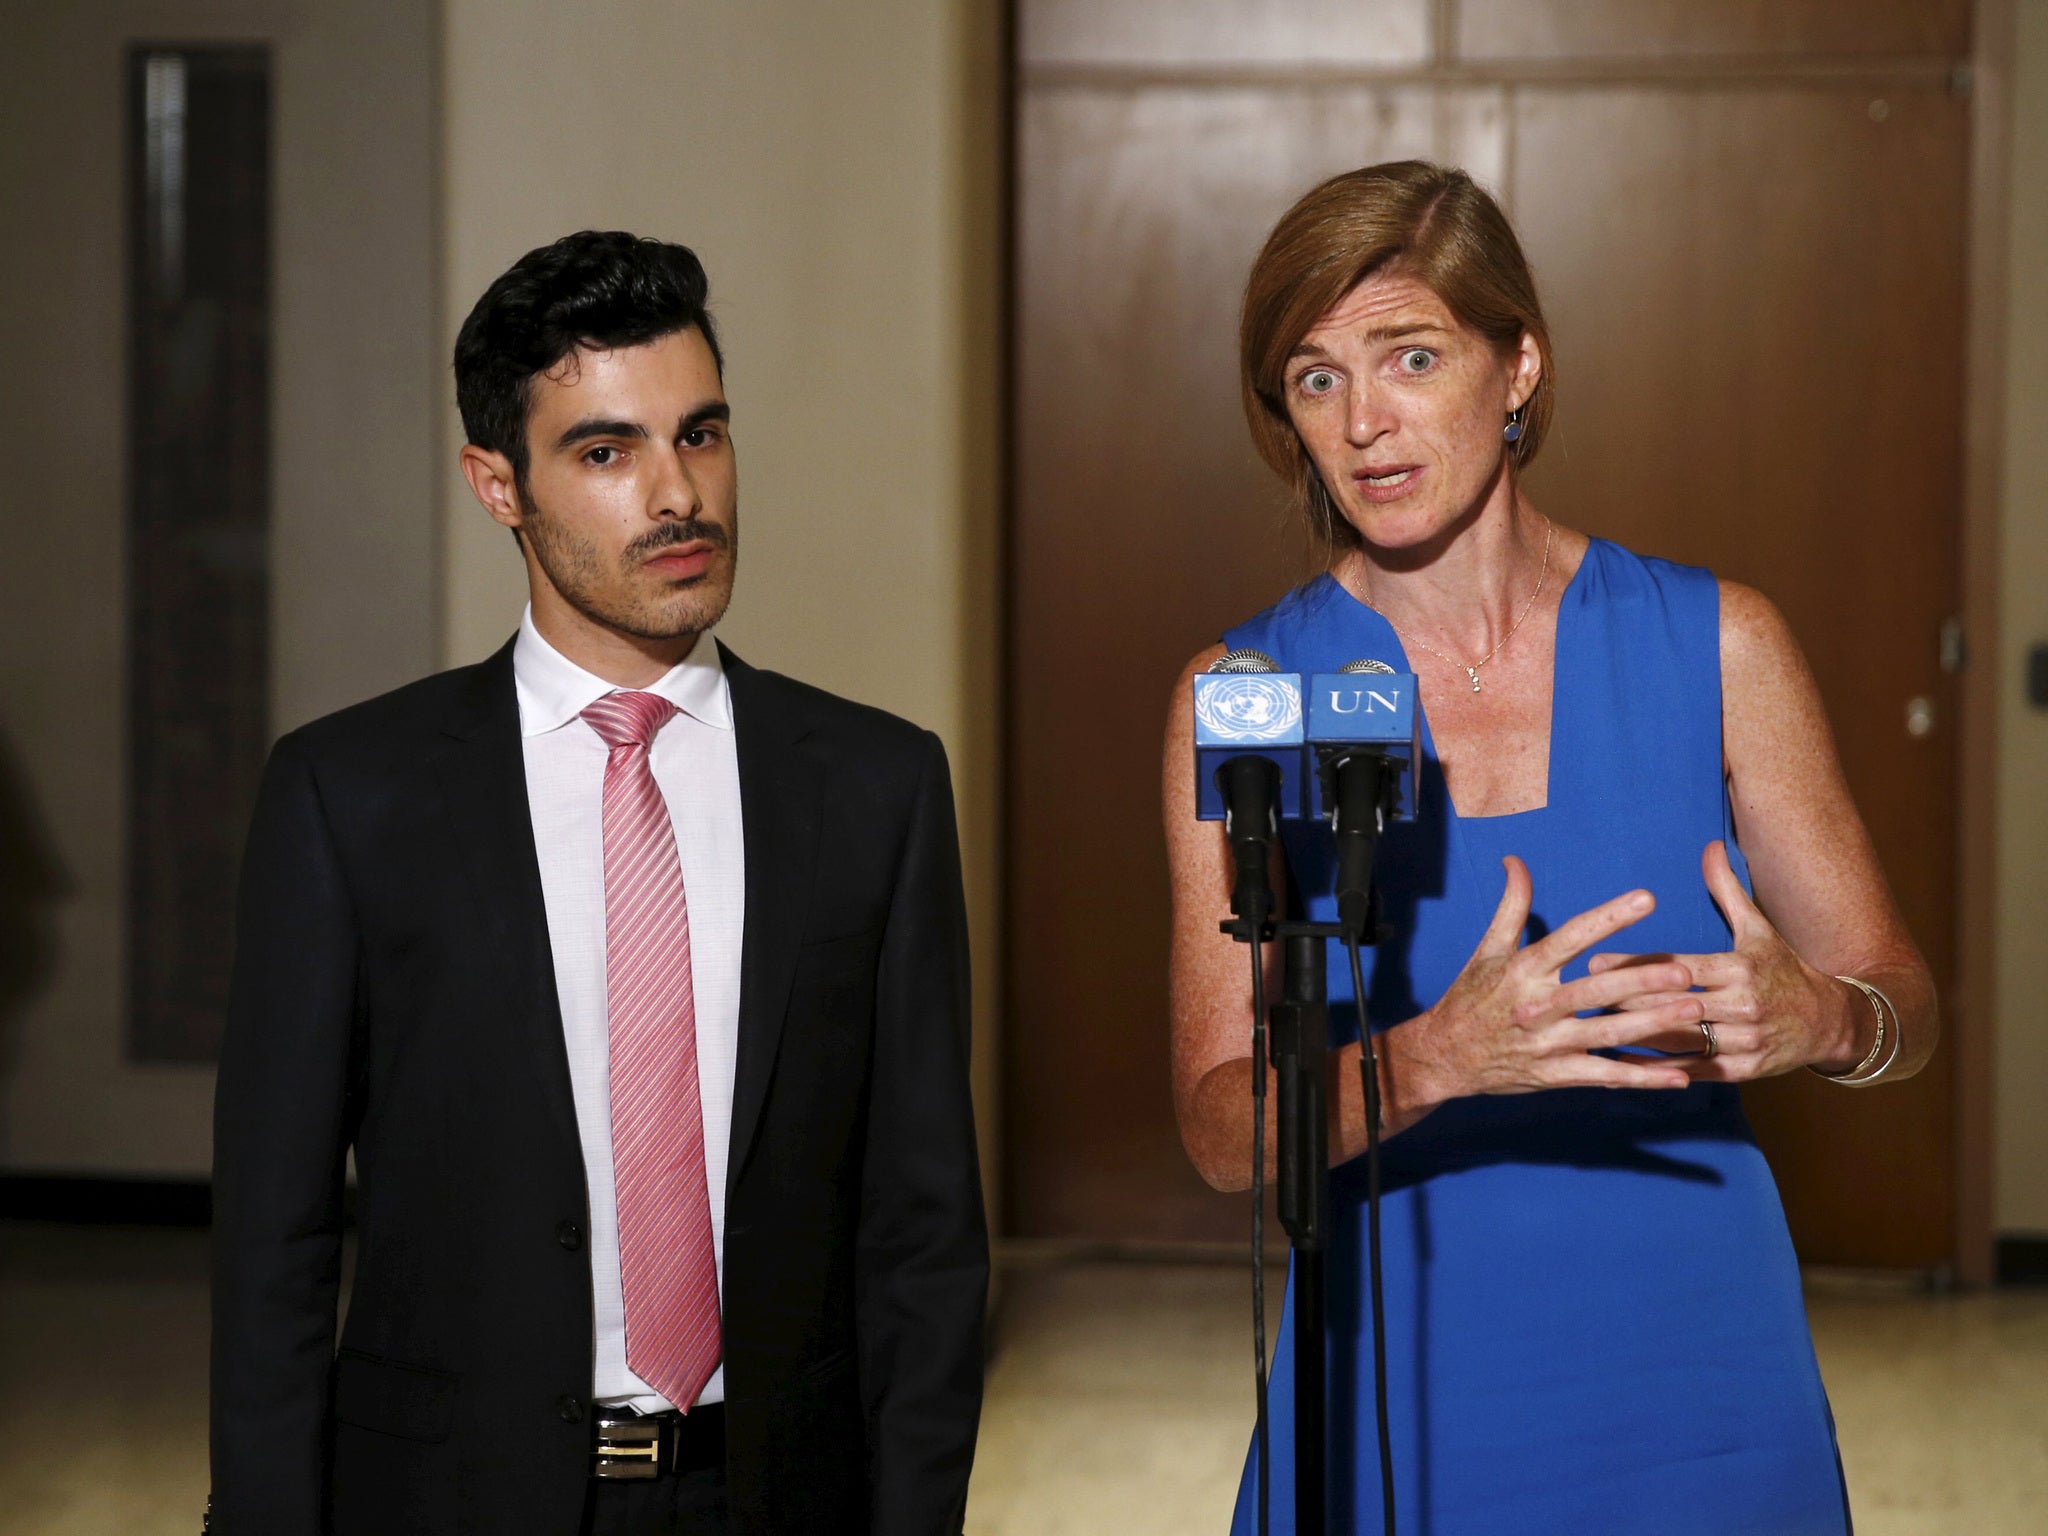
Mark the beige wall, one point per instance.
(839, 170)
(837, 167)
(2022, 1120)
(353, 595)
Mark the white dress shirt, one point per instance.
(696, 764)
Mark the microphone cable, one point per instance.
(1259, 1433)
(1369, 1079)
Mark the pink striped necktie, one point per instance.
(666, 1263)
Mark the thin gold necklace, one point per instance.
(1472, 670)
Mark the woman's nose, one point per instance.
(1368, 416)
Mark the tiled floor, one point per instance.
(1120, 1401)
(102, 1381)
(1117, 1400)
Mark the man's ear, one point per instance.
(490, 477)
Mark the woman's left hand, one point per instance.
(1768, 1010)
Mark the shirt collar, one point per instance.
(553, 690)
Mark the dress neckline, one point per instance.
(1565, 610)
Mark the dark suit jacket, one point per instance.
(394, 992)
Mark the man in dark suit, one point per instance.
(636, 979)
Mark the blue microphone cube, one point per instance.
(1368, 709)
(1256, 713)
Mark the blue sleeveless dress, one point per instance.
(1594, 1320)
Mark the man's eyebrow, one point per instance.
(709, 411)
(599, 426)
(1376, 333)
(605, 426)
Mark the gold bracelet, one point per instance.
(1861, 1073)
(1898, 1039)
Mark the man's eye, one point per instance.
(700, 437)
(600, 456)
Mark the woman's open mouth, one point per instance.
(1387, 484)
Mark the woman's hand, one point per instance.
(1770, 1011)
(1508, 1024)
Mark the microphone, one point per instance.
(1250, 765)
(1366, 737)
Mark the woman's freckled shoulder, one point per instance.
(1200, 662)
(1755, 639)
(1180, 710)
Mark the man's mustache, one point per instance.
(691, 530)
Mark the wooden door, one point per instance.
(1754, 272)
(1760, 300)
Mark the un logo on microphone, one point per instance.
(1248, 708)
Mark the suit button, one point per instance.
(569, 1235)
(571, 1409)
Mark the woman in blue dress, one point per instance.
(1636, 881)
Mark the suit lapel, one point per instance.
(779, 814)
(482, 773)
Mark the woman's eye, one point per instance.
(1318, 381)
(1416, 359)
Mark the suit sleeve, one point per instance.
(279, 1141)
(922, 1273)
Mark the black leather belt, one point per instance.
(633, 1445)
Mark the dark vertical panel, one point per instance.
(198, 513)
(1762, 373)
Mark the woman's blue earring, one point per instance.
(1512, 432)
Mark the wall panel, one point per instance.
(1232, 32)
(1527, 31)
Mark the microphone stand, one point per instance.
(1299, 1043)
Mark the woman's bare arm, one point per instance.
(1811, 861)
(1211, 984)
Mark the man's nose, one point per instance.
(674, 492)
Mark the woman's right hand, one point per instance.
(1509, 1024)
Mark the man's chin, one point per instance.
(703, 607)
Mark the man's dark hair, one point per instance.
(595, 288)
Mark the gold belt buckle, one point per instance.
(628, 1449)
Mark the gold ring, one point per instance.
(1713, 1045)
